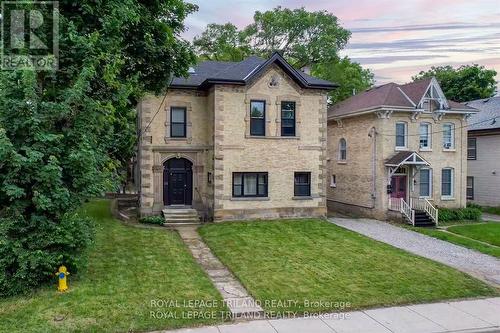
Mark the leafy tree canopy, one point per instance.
(351, 77)
(65, 135)
(465, 83)
(311, 39)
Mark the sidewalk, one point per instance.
(480, 315)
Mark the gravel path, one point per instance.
(477, 264)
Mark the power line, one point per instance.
(441, 131)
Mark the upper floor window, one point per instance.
(287, 118)
(425, 136)
(258, 118)
(342, 150)
(302, 184)
(447, 182)
(250, 184)
(471, 148)
(177, 122)
(401, 135)
(448, 136)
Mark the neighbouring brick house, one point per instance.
(483, 153)
(236, 140)
(398, 149)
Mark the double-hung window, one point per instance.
(447, 182)
(287, 118)
(425, 136)
(258, 118)
(177, 122)
(470, 188)
(302, 186)
(401, 135)
(250, 184)
(448, 136)
(471, 148)
(425, 183)
(342, 150)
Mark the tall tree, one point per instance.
(303, 38)
(222, 42)
(351, 77)
(64, 135)
(311, 39)
(465, 83)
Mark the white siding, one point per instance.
(486, 171)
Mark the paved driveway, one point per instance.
(482, 266)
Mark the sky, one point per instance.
(394, 38)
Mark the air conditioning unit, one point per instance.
(447, 145)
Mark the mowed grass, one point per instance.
(485, 232)
(131, 272)
(308, 261)
(481, 237)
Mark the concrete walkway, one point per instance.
(491, 217)
(481, 315)
(235, 296)
(480, 265)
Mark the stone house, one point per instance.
(236, 140)
(398, 151)
(483, 153)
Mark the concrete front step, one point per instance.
(180, 225)
(176, 216)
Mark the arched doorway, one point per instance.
(177, 182)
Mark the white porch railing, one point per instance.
(426, 206)
(407, 211)
(400, 205)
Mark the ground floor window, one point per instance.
(250, 184)
(447, 182)
(302, 184)
(470, 188)
(425, 182)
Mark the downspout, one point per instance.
(373, 135)
(462, 160)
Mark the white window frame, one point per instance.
(452, 187)
(429, 136)
(340, 150)
(452, 136)
(405, 124)
(333, 181)
(430, 184)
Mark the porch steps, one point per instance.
(175, 217)
(422, 219)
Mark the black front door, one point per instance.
(177, 182)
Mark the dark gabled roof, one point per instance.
(489, 109)
(208, 73)
(404, 96)
(403, 157)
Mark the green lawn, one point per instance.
(313, 260)
(488, 233)
(129, 270)
(459, 240)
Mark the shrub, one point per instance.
(156, 219)
(469, 213)
(474, 205)
(31, 251)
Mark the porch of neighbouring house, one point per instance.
(402, 194)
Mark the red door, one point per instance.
(398, 184)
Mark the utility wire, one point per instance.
(441, 131)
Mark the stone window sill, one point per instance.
(447, 199)
(401, 148)
(272, 137)
(449, 150)
(425, 149)
(341, 162)
(250, 199)
(303, 197)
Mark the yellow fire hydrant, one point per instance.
(61, 276)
